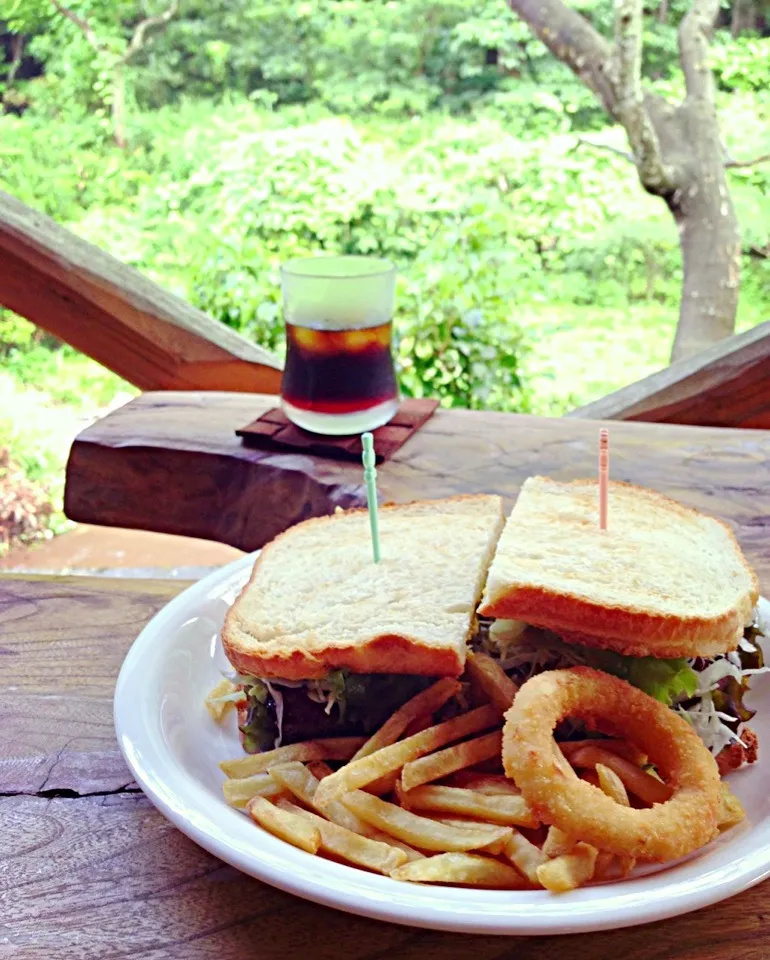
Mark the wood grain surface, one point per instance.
(726, 385)
(170, 462)
(112, 313)
(90, 871)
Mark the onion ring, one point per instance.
(531, 757)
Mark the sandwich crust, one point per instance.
(388, 653)
(665, 580)
(316, 601)
(632, 632)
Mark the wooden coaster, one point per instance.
(274, 431)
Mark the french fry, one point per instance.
(418, 725)
(612, 867)
(343, 843)
(424, 704)
(490, 677)
(418, 831)
(320, 769)
(411, 853)
(611, 784)
(502, 809)
(218, 708)
(336, 748)
(297, 779)
(525, 856)
(457, 757)
(557, 843)
(490, 783)
(383, 785)
(468, 869)
(648, 788)
(288, 826)
(570, 870)
(621, 747)
(732, 813)
(239, 792)
(494, 849)
(358, 773)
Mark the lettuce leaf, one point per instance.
(367, 700)
(665, 680)
(260, 729)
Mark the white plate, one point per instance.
(173, 749)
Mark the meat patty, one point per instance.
(739, 754)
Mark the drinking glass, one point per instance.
(339, 376)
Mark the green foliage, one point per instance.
(210, 200)
(743, 64)
(347, 54)
(457, 339)
(16, 334)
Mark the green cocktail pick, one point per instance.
(370, 476)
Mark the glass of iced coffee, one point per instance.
(339, 376)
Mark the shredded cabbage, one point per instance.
(708, 693)
(710, 724)
(534, 651)
(278, 701)
(330, 691)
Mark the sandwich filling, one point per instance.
(710, 694)
(272, 712)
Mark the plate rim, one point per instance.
(272, 862)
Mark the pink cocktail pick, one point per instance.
(604, 474)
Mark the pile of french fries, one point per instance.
(452, 817)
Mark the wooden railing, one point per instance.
(158, 342)
(112, 313)
(726, 385)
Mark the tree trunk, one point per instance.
(743, 18)
(710, 240)
(17, 54)
(676, 148)
(118, 106)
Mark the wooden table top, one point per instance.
(89, 870)
(171, 462)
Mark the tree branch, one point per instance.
(631, 111)
(572, 39)
(628, 52)
(694, 39)
(139, 38)
(83, 25)
(580, 142)
(17, 54)
(731, 164)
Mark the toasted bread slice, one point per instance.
(663, 580)
(316, 601)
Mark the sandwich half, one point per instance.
(327, 642)
(663, 598)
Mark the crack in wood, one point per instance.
(60, 793)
